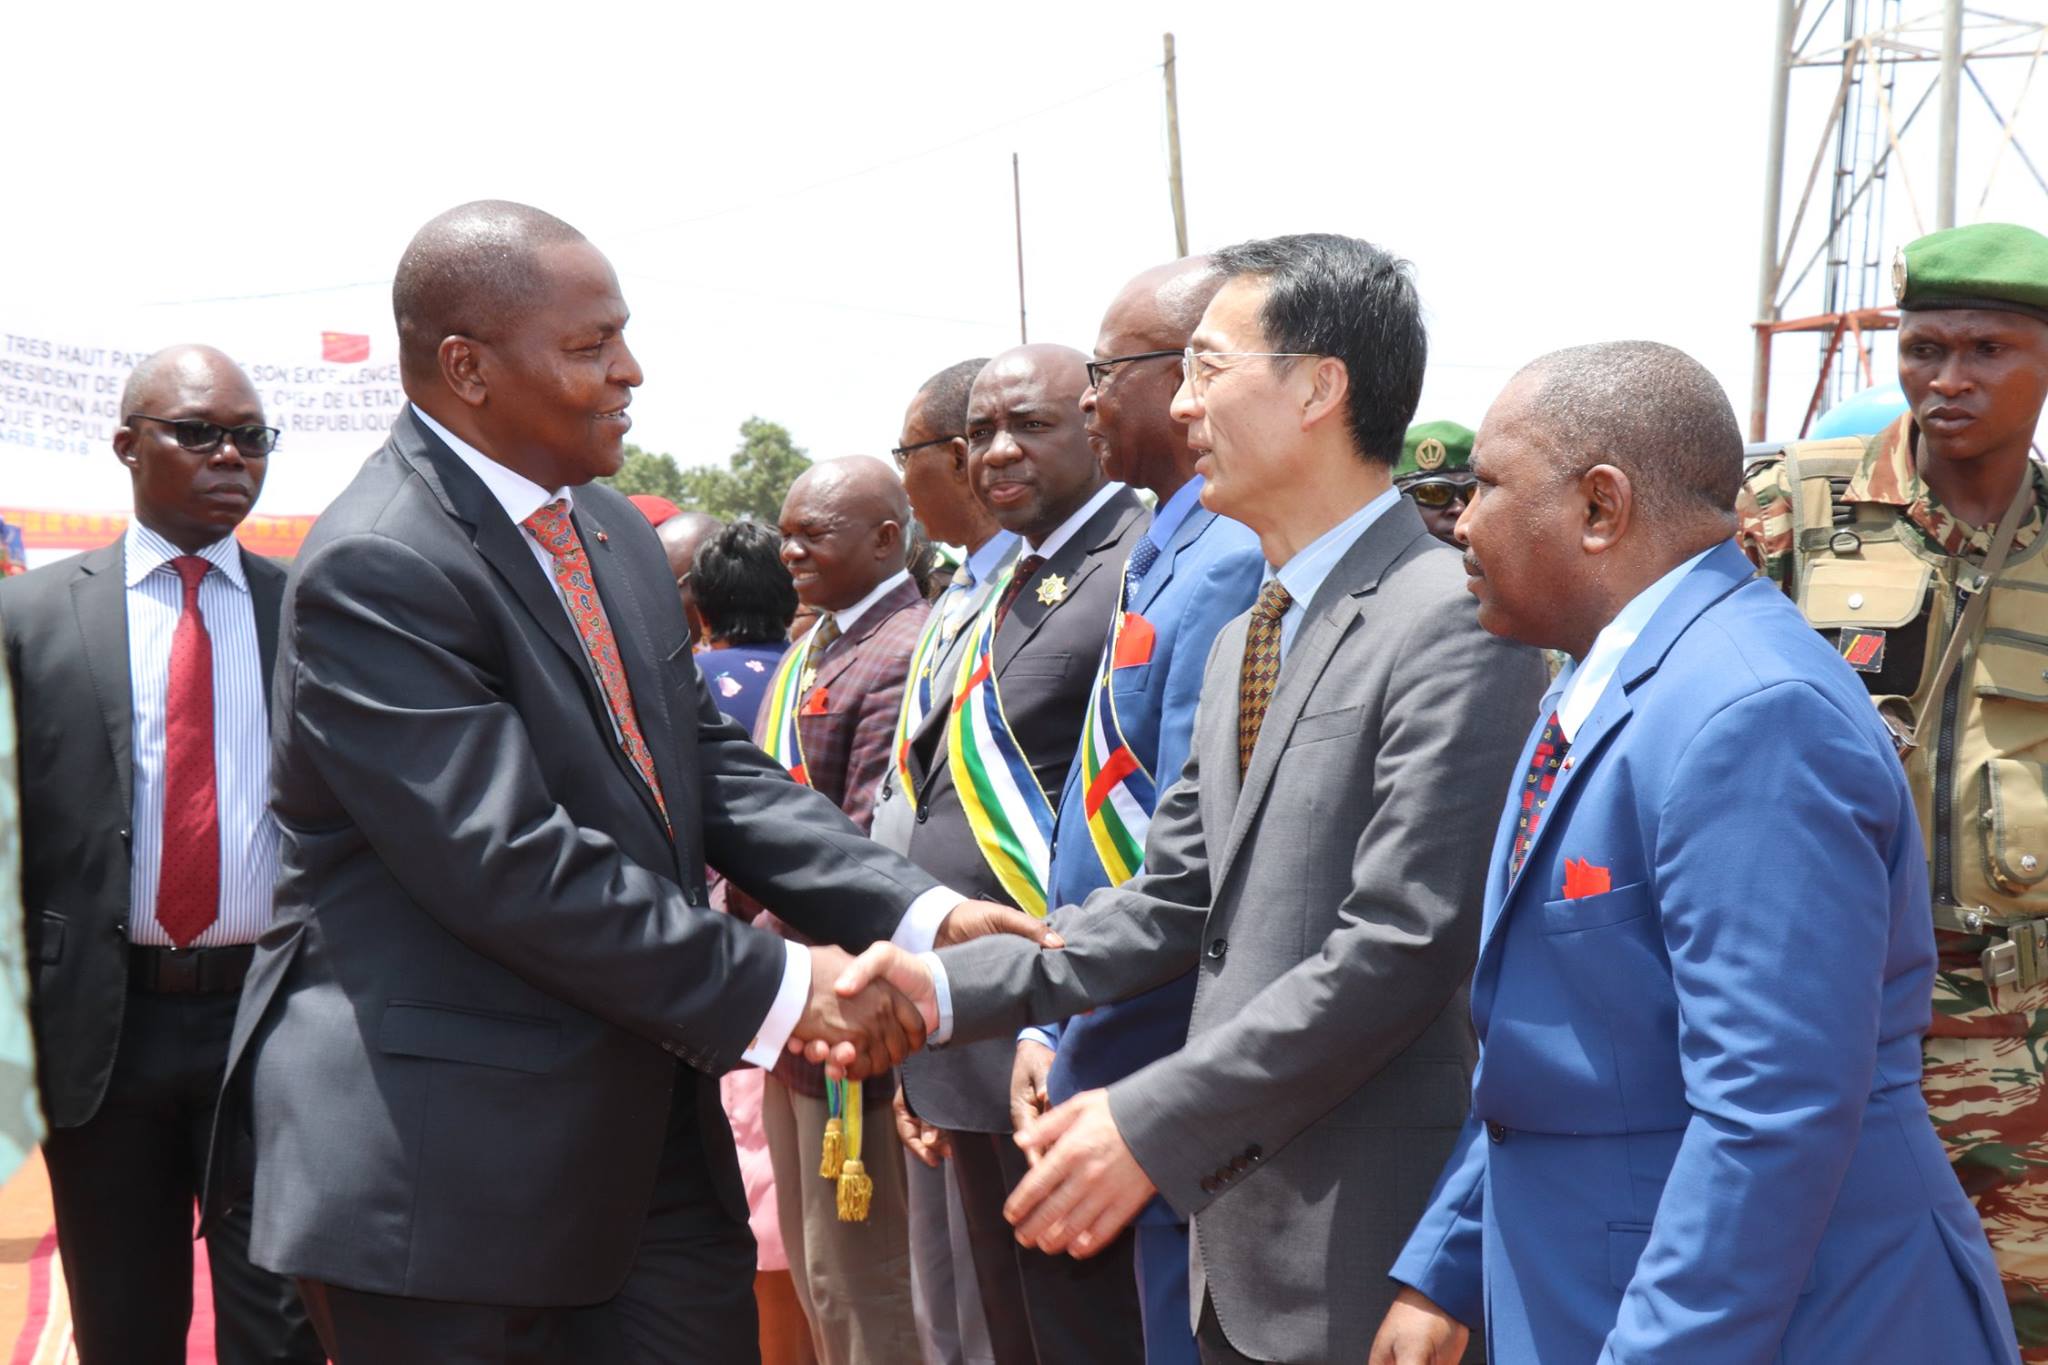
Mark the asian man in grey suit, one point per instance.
(1320, 862)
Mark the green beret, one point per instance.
(1435, 448)
(2001, 266)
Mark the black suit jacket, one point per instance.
(459, 1039)
(66, 627)
(1045, 660)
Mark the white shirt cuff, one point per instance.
(918, 930)
(773, 1035)
(1040, 1037)
(942, 993)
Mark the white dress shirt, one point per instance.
(521, 497)
(1064, 532)
(241, 735)
(849, 617)
(1582, 683)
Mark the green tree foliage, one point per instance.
(760, 473)
(644, 471)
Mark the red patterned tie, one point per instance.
(557, 535)
(188, 880)
(1536, 784)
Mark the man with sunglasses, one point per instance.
(141, 675)
(1436, 473)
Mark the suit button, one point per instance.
(1217, 948)
(1496, 1132)
(1254, 1152)
(924, 813)
(1208, 1184)
(1240, 1164)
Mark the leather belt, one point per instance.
(189, 971)
(2021, 960)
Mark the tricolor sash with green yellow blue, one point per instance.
(1005, 807)
(786, 701)
(917, 701)
(1118, 793)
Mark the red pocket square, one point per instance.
(1582, 879)
(815, 704)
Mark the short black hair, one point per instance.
(468, 270)
(741, 585)
(945, 395)
(1651, 411)
(1345, 298)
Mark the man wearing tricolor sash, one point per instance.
(1190, 574)
(985, 771)
(828, 719)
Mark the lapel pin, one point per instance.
(602, 538)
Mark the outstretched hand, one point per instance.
(976, 919)
(1084, 1186)
(866, 1031)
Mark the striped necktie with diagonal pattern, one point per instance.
(557, 535)
(1261, 668)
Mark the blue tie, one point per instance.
(953, 602)
(1143, 556)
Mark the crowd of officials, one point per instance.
(1185, 864)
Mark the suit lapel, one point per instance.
(1186, 534)
(630, 635)
(1331, 616)
(99, 601)
(266, 594)
(843, 652)
(1076, 562)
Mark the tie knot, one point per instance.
(553, 529)
(1029, 565)
(191, 568)
(1273, 602)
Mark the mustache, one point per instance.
(1472, 566)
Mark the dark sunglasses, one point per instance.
(1098, 370)
(195, 434)
(903, 453)
(1440, 492)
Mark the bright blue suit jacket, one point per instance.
(1697, 1132)
(1208, 574)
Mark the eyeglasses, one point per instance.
(1098, 370)
(197, 434)
(1441, 492)
(1197, 368)
(903, 453)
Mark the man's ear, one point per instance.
(461, 361)
(956, 451)
(124, 446)
(1329, 391)
(889, 536)
(1610, 503)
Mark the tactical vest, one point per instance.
(1865, 578)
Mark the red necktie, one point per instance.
(1536, 785)
(188, 881)
(557, 535)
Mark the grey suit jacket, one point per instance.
(1332, 906)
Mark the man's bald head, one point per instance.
(179, 369)
(1027, 448)
(845, 526)
(680, 536)
(1648, 409)
(469, 272)
(1130, 417)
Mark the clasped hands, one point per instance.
(864, 1016)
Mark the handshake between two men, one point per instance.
(867, 1013)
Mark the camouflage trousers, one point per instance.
(1984, 1061)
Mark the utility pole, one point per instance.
(1950, 94)
(1774, 190)
(1180, 203)
(1017, 202)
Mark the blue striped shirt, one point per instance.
(241, 734)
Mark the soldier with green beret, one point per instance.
(1920, 552)
(1436, 471)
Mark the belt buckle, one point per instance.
(2001, 964)
(2029, 939)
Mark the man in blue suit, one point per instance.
(1696, 1130)
(1191, 572)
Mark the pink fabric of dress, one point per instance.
(741, 1091)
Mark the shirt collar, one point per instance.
(1303, 575)
(1581, 685)
(144, 552)
(850, 616)
(520, 496)
(1173, 512)
(982, 561)
(1050, 546)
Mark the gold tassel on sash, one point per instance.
(856, 1188)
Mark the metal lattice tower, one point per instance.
(1899, 80)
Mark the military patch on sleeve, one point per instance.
(1864, 649)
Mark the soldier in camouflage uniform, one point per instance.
(1882, 540)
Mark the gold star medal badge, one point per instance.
(1053, 590)
(1429, 454)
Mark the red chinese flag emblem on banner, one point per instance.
(344, 348)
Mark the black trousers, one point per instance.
(125, 1184)
(688, 1300)
(1042, 1310)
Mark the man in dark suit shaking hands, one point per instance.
(479, 1045)
(141, 672)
